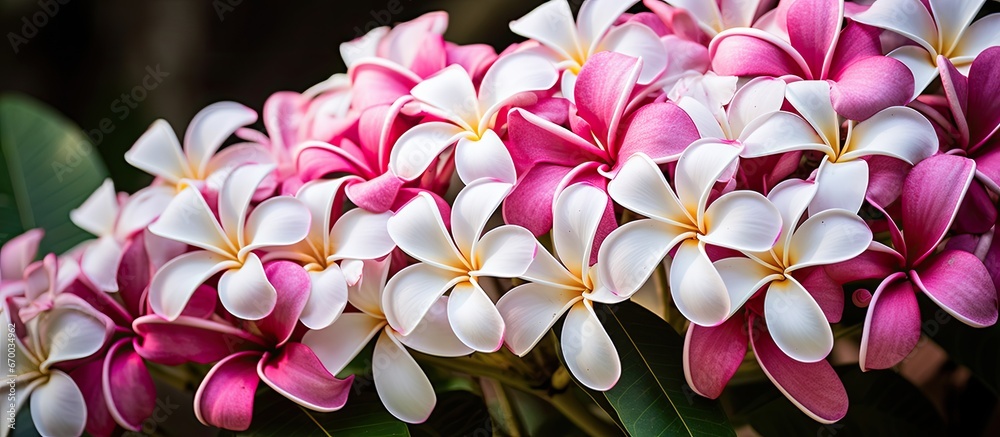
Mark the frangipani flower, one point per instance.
(569, 286)
(470, 116)
(939, 27)
(817, 49)
(681, 217)
(603, 134)
(228, 244)
(158, 152)
(794, 318)
(955, 280)
(334, 236)
(114, 218)
(714, 16)
(570, 45)
(456, 262)
(264, 350)
(401, 384)
(898, 132)
(71, 330)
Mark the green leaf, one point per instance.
(24, 426)
(652, 397)
(975, 348)
(457, 413)
(364, 415)
(883, 403)
(48, 168)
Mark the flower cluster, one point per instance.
(759, 157)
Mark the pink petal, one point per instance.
(885, 179)
(645, 133)
(189, 339)
(292, 284)
(474, 58)
(753, 52)
(892, 326)
(829, 294)
(602, 91)
(877, 262)
(535, 139)
(225, 397)
(959, 282)
(932, 193)
(530, 203)
(984, 100)
(376, 195)
(813, 28)
(89, 379)
(956, 90)
(978, 213)
(814, 388)
(128, 387)
(857, 41)
(857, 96)
(379, 82)
(297, 374)
(712, 355)
(17, 253)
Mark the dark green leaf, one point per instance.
(364, 415)
(457, 413)
(23, 425)
(48, 168)
(651, 397)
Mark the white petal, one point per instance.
(366, 294)
(58, 407)
(209, 129)
(791, 197)
(796, 322)
(474, 206)
(552, 25)
(418, 229)
(921, 64)
(474, 318)
(176, 281)
(327, 298)
(641, 187)
(743, 277)
(829, 237)
(100, 263)
(68, 333)
(906, 17)
(980, 36)
(742, 220)
(530, 310)
(840, 185)
(360, 234)
(321, 197)
(158, 153)
(278, 221)
(706, 13)
(567, 85)
(188, 219)
(511, 75)
(142, 208)
(402, 386)
(338, 344)
(630, 253)
(410, 293)
(702, 115)
(812, 99)
(484, 158)
(245, 292)
(545, 269)
(235, 196)
(99, 212)
(589, 353)
(697, 288)
(899, 132)
(364, 47)
(698, 169)
(779, 132)
(434, 334)
(638, 41)
(758, 97)
(451, 91)
(418, 147)
(577, 214)
(504, 252)
(596, 17)
(952, 18)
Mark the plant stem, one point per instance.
(499, 406)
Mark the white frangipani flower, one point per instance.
(943, 29)
(715, 16)
(228, 244)
(114, 218)
(681, 217)
(569, 286)
(456, 262)
(334, 237)
(898, 132)
(569, 44)
(470, 117)
(794, 318)
(401, 385)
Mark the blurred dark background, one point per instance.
(87, 54)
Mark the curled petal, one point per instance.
(832, 236)
(298, 375)
(712, 355)
(696, 286)
(530, 310)
(336, 345)
(960, 284)
(588, 350)
(474, 318)
(631, 253)
(418, 229)
(400, 382)
(158, 152)
(58, 407)
(225, 397)
(416, 149)
(410, 293)
(210, 127)
(742, 220)
(796, 322)
(175, 282)
(892, 325)
(246, 292)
